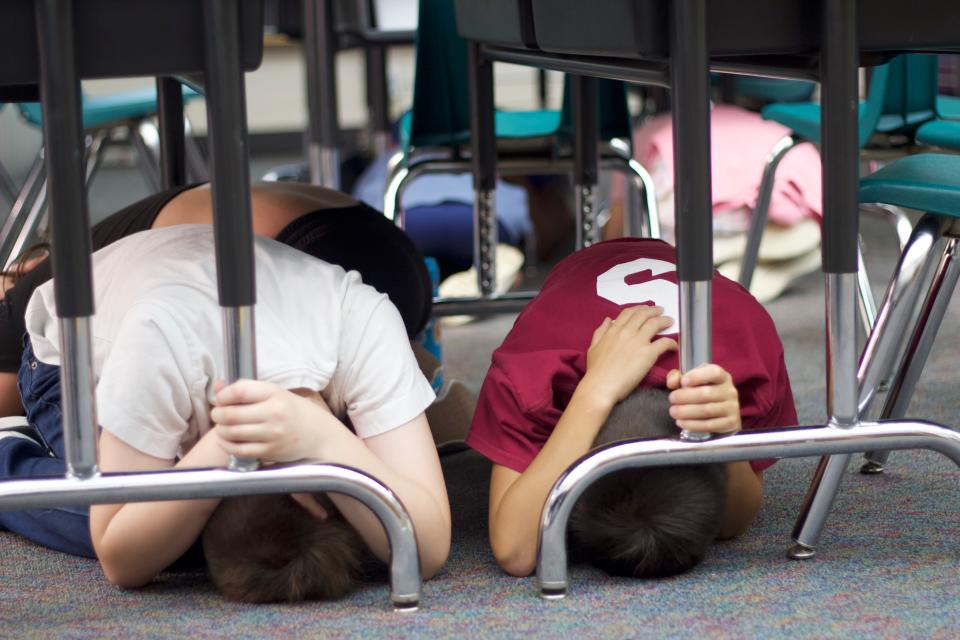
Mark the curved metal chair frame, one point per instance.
(401, 172)
(552, 579)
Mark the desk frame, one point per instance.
(687, 76)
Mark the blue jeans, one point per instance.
(66, 528)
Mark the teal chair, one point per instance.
(911, 314)
(940, 133)
(435, 134)
(948, 107)
(901, 97)
(768, 89)
(108, 119)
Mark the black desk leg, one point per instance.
(319, 49)
(70, 226)
(585, 159)
(690, 82)
(483, 147)
(378, 98)
(230, 185)
(840, 158)
(173, 153)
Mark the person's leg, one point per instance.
(21, 456)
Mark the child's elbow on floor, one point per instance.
(121, 576)
(433, 561)
(515, 562)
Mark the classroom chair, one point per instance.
(909, 317)
(124, 117)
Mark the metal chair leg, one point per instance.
(880, 357)
(24, 229)
(32, 186)
(7, 186)
(866, 303)
(397, 172)
(901, 387)
(196, 163)
(149, 165)
(651, 210)
(483, 148)
(895, 216)
(758, 220)
(585, 159)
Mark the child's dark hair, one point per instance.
(648, 522)
(270, 549)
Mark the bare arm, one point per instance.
(135, 541)
(620, 355)
(516, 499)
(744, 496)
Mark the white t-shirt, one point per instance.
(158, 338)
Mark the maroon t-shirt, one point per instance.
(541, 361)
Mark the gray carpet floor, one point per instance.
(887, 568)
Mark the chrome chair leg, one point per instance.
(7, 186)
(640, 187)
(32, 187)
(901, 387)
(397, 173)
(758, 219)
(148, 161)
(895, 216)
(866, 303)
(643, 179)
(196, 163)
(881, 355)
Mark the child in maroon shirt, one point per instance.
(588, 341)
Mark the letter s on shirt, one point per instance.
(612, 285)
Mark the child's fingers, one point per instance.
(705, 374)
(633, 318)
(673, 379)
(663, 345)
(728, 424)
(245, 392)
(309, 502)
(245, 449)
(245, 433)
(230, 414)
(706, 411)
(702, 395)
(654, 325)
(600, 331)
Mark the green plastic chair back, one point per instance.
(441, 108)
(612, 110)
(773, 90)
(902, 95)
(440, 116)
(911, 93)
(926, 182)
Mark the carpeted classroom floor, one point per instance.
(887, 568)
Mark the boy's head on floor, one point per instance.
(268, 548)
(648, 522)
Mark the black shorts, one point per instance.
(357, 238)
